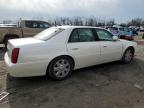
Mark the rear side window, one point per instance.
(31, 24)
(74, 36)
(82, 35)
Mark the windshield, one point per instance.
(121, 29)
(48, 33)
(124, 29)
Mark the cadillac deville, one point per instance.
(57, 51)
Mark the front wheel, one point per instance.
(60, 68)
(128, 56)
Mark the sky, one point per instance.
(120, 10)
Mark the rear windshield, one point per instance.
(48, 33)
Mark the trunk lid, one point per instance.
(18, 43)
(24, 41)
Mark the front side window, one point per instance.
(82, 35)
(104, 35)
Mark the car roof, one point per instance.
(73, 27)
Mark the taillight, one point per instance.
(15, 53)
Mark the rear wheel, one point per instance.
(128, 56)
(60, 68)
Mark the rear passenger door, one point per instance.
(110, 50)
(83, 46)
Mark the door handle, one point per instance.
(75, 49)
(104, 46)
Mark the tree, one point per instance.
(111, 22)
(135, 22)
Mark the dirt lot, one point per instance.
(111, 85)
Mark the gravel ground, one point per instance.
(111, 85)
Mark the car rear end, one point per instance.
(17, 63)
(11, 57)
(28, 57)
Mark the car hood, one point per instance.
(24, 41)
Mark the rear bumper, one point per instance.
(25, 69)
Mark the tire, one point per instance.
(60, 68)
(128, 56)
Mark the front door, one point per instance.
(110, 50)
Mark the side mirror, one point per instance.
(115, 38)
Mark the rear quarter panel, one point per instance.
(41, 54)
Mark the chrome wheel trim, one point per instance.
(61, 68)
(128, 56)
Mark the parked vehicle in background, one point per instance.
(58, 51)
(24, 28)
(123, 32)
(113, 30)
(141, 33)
(126, 33)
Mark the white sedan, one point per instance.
(57, 51)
